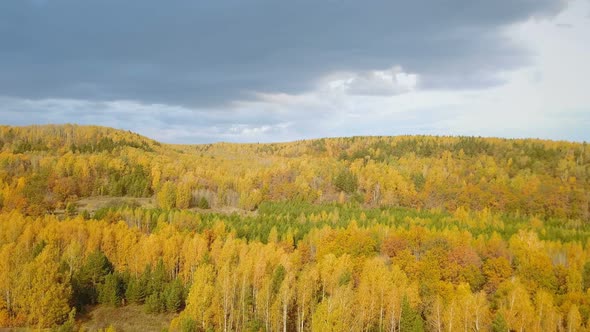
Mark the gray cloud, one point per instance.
(210, 53)
(167, 123)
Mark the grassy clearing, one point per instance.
(127, 318)
(92, 204)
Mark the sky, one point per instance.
(190, 71)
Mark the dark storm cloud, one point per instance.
(203, 53)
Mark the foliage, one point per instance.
(89, 277)
(202, 203)
(499, 324)
(410, 320)
(346, 181)
(111, 291)
(547, 179)
(365, 233)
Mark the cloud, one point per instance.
(375, 82)
(264, 74)
(211, 53)
(167, 123)
(250, 131)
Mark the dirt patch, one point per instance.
(92, 204)
(228, 210)
(128, 319)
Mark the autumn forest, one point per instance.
(405, 233)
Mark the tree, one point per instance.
(547, 316)
(410, 318)
(499, 323)
(45, 291)
(372, 293)
(586, 276)
(346, 181)
(154, 303)
(574, 320)
(183, 196)
(166, 197)
(335, 313)
(158, 278)
(305, 296)
(203, 203)
(188, 325)
(516, 306)
(137, 288)
(200, 297)
(91, 274)
(479, 311)
(496, 270)
(174, 296)
(111, 291)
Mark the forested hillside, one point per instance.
(404, 233)
(45, 167)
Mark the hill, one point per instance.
(46, 167)
(101, 227)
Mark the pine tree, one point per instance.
(154, 303)
(110, 292)
(188, 325)
(90, 275)
(499, 324)
(158, 279)
(346, 181)
(202, 203)
(174, 296)
(136, 290)
(410, 319)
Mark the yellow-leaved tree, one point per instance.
(44, 291)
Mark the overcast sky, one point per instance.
(278, 70)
